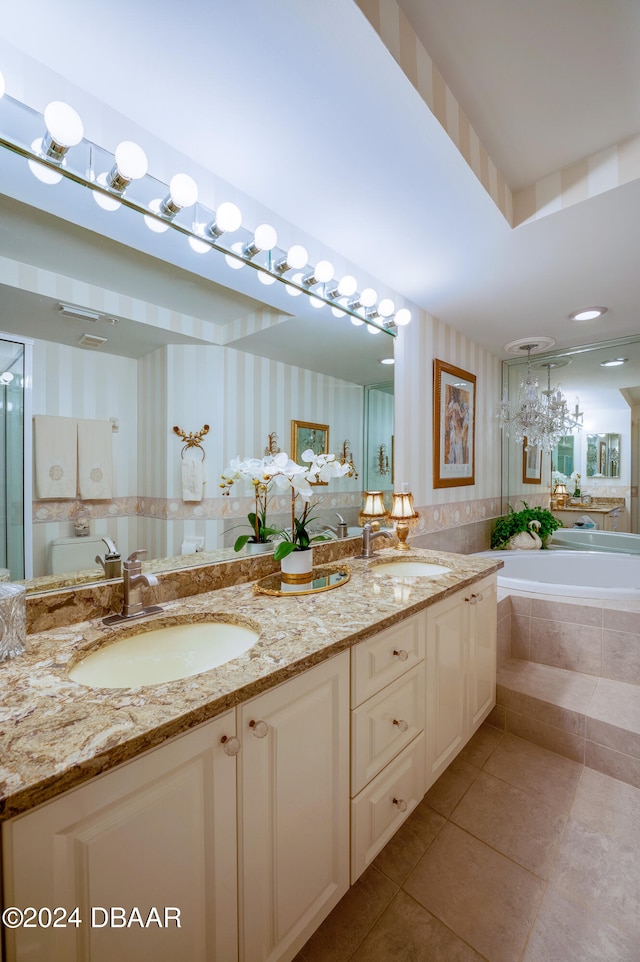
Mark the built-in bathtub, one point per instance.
(588, 539)
(571, 573)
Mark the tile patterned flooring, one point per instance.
(516, 854)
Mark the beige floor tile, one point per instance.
(608, 805)
(601, 873)
(536, 770)
(344, 929)
(445, 794)
(402, 853)
(480, 746)
(565, 932)
(406, 932)
(482, 896)
(516, 824)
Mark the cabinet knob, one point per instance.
(402, 655)
(231, 745)
(473, 600)
(401, 723)
(259, 728)
(401, 804)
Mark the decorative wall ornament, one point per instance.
(454, 419)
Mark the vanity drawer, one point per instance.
(381, 808)
(386, 656)
(385, 724)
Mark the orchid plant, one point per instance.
(280, 472)
(254, 470)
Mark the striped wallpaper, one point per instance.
(618, 164)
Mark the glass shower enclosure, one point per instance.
(15, 457)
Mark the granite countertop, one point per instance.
(594, 508)
(56, 734)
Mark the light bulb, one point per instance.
(356, 321)
(183, 190)
(372, 329)
(40, 171)
(228, 217)
(347, 285)
(297, 256)
(386, 307)
(265, 278)
(316, 301)
(199, 246)
(233, 262)
(368, 297)
(323, 271)
(7, 376)
(265, 237)
(107, 203)
(157, 206)
(337, 312)
(294, 291)
(131, 161)
(403, 316)
(64, 128)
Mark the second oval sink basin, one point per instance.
(410, 569)
(163, 654)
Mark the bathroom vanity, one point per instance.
(609, 515)
(247, 798)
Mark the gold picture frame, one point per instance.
(454, 425)
(307, 434)
(531, 463)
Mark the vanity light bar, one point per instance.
(112, 190)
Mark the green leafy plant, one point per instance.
(516, 521)
(298, 538)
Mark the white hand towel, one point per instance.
(95, 463)
(193, 479)
(55, 447)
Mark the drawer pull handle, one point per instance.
(259, 728)
(473, 600)
(401, 804)
(231, 745)
(401, 723)
(402, 655)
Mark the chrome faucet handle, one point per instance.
(111, 548)
(133, 557)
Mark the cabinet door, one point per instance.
(294, 810)
(483, 614)
(446, 687)
(157, 832)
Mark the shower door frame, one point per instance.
(27, 446)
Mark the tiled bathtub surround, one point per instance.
(569, 679)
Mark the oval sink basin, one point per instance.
(163, 654)
(410, 569)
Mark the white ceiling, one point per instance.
(301, 106)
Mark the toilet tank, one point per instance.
(74, 554)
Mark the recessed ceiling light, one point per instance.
(614, 362)
(588, 314)
(387, 360)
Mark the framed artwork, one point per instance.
(305, 434)
(454, 425)
(531, 463)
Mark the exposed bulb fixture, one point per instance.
(366, 298)
(196, 244)
(266, 279)
(6, 377)
(385, 309)
(228, 218)
(372, 329)
(295, 258)
(183, 192)
(614, 362)
(316, 302)
(322, 272)
(588, 314)
(265, 238)
(234, 262)
(64, 130)
(294, 291)
(130, 164)
(346, 286)
(387, 360)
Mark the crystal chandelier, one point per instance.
(542, 417)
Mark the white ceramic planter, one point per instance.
(264, 547)
(297, 567)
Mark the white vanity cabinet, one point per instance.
(159, 831)
(253, 870)
(294, 810)
(461, 671)
(387, 736)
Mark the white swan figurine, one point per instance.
(526, 540)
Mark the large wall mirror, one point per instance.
(605, 376)
(188, 351)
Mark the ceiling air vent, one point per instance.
(91, 340)
(70, 310)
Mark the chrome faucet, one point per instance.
(110, 560)
(340, 530)
(133, 580)
(369, 536)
